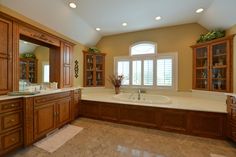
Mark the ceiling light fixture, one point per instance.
(124, 24)
(25, 42)
(158, 18)
(72, 5)
(98, 29)
(199, 10)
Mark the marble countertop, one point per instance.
(231, 94)
(177, 102)
(46, 92)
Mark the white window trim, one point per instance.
(143, 42)
(43, 64)
(172, 55)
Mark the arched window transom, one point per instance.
(143, 48)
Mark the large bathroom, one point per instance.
(108, 78)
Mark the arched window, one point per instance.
(143, 48)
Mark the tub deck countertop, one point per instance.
(177, 102)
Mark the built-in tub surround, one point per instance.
(195, 100)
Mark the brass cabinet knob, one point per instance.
(13, 139)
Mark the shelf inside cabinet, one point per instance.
(219, 66)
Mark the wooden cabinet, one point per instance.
(6, 61)
(94, 69)
(51, 112)
(231, 118)
(204, 124)
(67, 65)
(63, 111)
(45, 113)
(76, 110)
(212, 65)
(11, 120)
(28, 69)
(44, 119)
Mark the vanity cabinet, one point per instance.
(94, 69)
(50, 113)
(46, 113)
(11, 125)
(212, 65)
(77, 103)
(231, 109)
(6, 61)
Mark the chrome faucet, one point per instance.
(139, 94)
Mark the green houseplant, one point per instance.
(93, 50)
(214, 34)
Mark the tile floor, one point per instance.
(104, 139)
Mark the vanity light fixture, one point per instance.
(158, 18)
(72, 5)
(124, 24)
(98, 29)
(199, 10)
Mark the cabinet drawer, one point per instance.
(11, 120)
(10, 105)
(51, 97)
(11, 140)
(77, 91)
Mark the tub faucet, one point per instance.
(139, 94)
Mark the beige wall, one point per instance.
(231, 31)
(168, 39)
(42, 54)
(77, 49)
(78, 55)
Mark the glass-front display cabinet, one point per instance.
(28, 69)
(212, 65)
(94, 69)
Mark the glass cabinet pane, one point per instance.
(219, 66)
(201, 69)
(23, 70)
(201, 57)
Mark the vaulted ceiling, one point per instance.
(79, 24)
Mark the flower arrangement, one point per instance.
(116, 80)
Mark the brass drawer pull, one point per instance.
(13, 139)
(13, 105)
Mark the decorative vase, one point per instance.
(117, 90)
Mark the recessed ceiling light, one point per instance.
(199, 10)
(25, 42)
(124, 24)
(72, 5)
(98, 29)
(158, 18)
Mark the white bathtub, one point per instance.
(144, 98)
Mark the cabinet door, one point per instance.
(201, 68)
(63, 111)
(88, 70)
(44, 119)
(220, 66)
(5, 56)
(67, 65)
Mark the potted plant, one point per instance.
(93, 50)
(116, 81)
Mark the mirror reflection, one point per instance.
(34, 62)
